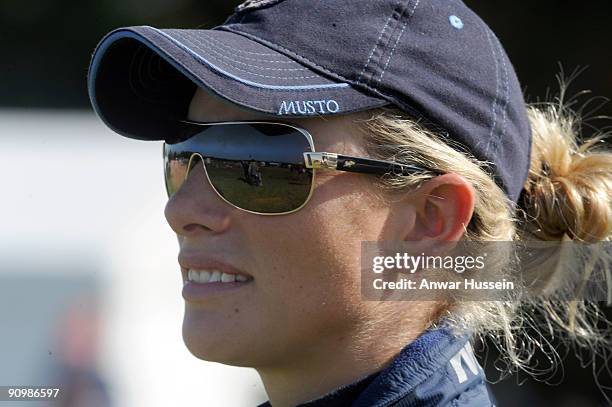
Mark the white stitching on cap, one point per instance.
(255, 4)
(222, 47)
(265, 54)
(208, 45)
(496, 100)
(246, 81)
(253, 73)
(198, 45)
(113, 37)
(374, 49)
(398, 38)
(295, 54)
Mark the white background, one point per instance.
(83, 205)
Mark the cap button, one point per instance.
(456, 22)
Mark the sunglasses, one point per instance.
(261, 167)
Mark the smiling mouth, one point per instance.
(214, 276)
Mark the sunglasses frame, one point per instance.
(315, 160)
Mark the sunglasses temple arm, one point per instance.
(357, 164)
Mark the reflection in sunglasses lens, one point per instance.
(256, 167)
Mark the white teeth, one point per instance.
(213, 276)
(204, 276)
(228, 278)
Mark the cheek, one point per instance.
(345, 214)
(337, 230)
(309, 262)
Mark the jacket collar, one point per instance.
(437, 367)
(434, 369)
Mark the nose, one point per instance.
(195, 207)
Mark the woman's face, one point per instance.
(305, 266)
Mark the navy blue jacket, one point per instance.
(436, 369)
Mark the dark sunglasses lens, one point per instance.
(256, 167)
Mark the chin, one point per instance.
(216, 340)
(209, 347)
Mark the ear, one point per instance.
(444, 206)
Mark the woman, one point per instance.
(406, 123)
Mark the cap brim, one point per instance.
(141, 79)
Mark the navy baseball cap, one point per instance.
(434, 59)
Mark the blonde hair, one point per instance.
(568, 196)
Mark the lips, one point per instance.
(203, 269)
(205, 278)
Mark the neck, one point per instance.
(322, 367)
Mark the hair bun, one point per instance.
(569, 189)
